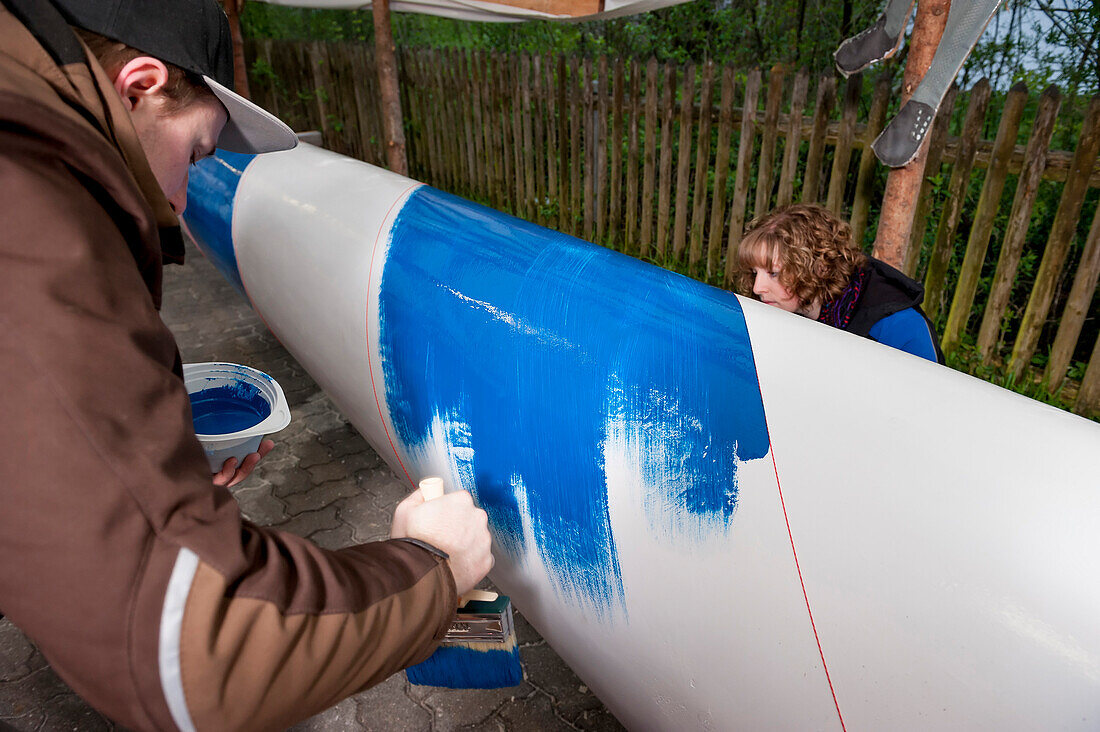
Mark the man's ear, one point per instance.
(140, 80)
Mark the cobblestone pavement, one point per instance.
(322, 481)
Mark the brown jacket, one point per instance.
(136, 576)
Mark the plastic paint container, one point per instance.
(233, 407)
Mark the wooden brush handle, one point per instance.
(431, 488)
(479, 596)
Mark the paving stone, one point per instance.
(545, 671)
(458, 708)
(330, 426)
(70, 712)
(344, 717)
(367, 521)
(42, 701)
(353, 445)
(492, 724)
(320, 496)
(311, 453)
(17, 653)
(384, 486)
(297, 397)
(326, 472)
(286, 482)
(337, 538)
(307, 524)
(598, 720)
(31, 721)
(535, 712)
(387, 708)
(317, 403)
(258, 504)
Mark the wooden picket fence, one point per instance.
(661, 162)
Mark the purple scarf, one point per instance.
(838, 312)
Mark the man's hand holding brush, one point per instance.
(453, 524)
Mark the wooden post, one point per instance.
(1062, 233)
(956, 196)
(876, 119)
(649, 156)
(589, 127)
(823, 107)
(988, 202)
(1088, 397)
(529, 205)
(386, 59)
(793, 144)
(1077, 305)
(564, 210)
(664, 192)
(614, 214)
(842, 154)
(744, 162)
(495, 131)
(630, 245)
(233, 10)
(1027, 187)
(507, 130)
(478, 172)
(903, 184)
(410, 93)
(765, 172)
(548, 64)
(441, 72)
(465, 86)
(599, 152)
(721, 171)
(317, 60)
(538, 130)
(702, 165)
(576, 117)
(683, 164)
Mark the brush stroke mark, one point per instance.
(516, 339)
(211, 188)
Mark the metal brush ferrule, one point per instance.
(480, 627)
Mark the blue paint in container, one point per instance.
(233, 407)
(222, 410)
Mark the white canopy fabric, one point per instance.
(508, 11)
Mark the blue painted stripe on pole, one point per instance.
(209, 215)
(540, 353)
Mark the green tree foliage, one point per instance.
(1039, 41)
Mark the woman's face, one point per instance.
(771, 291)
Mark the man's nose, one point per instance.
(179, 199)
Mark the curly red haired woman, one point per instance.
(802, 259)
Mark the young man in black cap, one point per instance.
(133, 572)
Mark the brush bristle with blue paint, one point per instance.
(479, 650)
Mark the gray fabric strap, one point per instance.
(966, 21)
(897, 16)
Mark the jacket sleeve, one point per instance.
(137, 576)
(906, 330)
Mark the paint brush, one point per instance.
(479, 650)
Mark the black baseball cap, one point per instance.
(193, 35)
